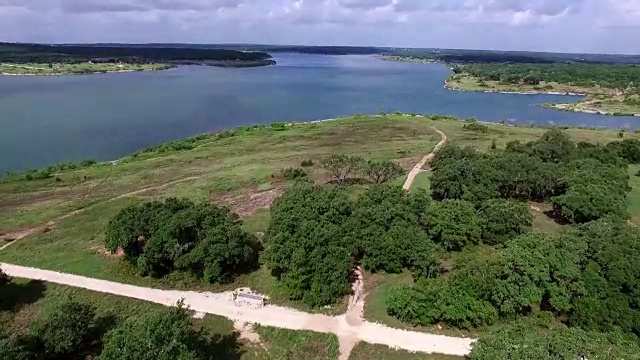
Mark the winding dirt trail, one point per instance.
(350, 327)
(417, 169)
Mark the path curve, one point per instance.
(417, 169)
(275, 316)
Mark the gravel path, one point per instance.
(426, 159)
(344, 326)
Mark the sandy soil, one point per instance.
(418, 168)
(346, 327)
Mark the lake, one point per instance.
(50, 119)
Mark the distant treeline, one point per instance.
(587, 75)
(38, 53)
(490, 56)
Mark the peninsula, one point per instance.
(612, 89)
(38, 59)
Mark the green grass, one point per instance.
(366, 351)
(422, 182)
(79, 68)
(282, 344)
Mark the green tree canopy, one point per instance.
(503, 220)
(162, 236)
(63, 329)
(305, 246)
(164, 334)
(453, 224)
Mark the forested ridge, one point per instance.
(39, 53)
(615, 76)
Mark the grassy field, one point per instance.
(22, 301)
(240, 169)
(365, 351)
(598, 100)
(79, 68)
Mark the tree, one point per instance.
(531, 79)
(64, 329)
(163, 334)
(537, 271)
(341, 166)
(440, 301)
(159, 237)
(380, 172)
(503, 220)
(584, 203)
(554, 146)
(525, 340)
(453, 224)
(305, 246)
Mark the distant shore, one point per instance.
(90, 68)
(594, 102)
(397, 58)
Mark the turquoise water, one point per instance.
(50, 119)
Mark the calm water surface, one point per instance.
(50, 119)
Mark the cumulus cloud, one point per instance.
(621, 14)
(471, 23)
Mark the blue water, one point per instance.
(50, 119)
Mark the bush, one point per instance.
(475, 126)
(306, 163)
(165, 334)
(440, 301)
(64, 329)
(293, 174)
(159, 237)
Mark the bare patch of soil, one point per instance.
(247, 333)
(100, 249)
(247, 204)
(23, 233)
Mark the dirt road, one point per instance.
(344, 326)
(425, 160)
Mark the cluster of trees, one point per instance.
(588, 75)
(583, 181)
(160, 237)
(342, 167)
(577, 277)
(318, 233)
(71, 330)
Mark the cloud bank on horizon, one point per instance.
(611, 26)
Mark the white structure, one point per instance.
(245, 297)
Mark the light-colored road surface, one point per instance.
(347, 326)
(425, 160)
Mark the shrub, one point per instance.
(306, 163)
(293, 174)
(64, 329)
(341, 166)
(475, 126)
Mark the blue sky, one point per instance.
(602, 26)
